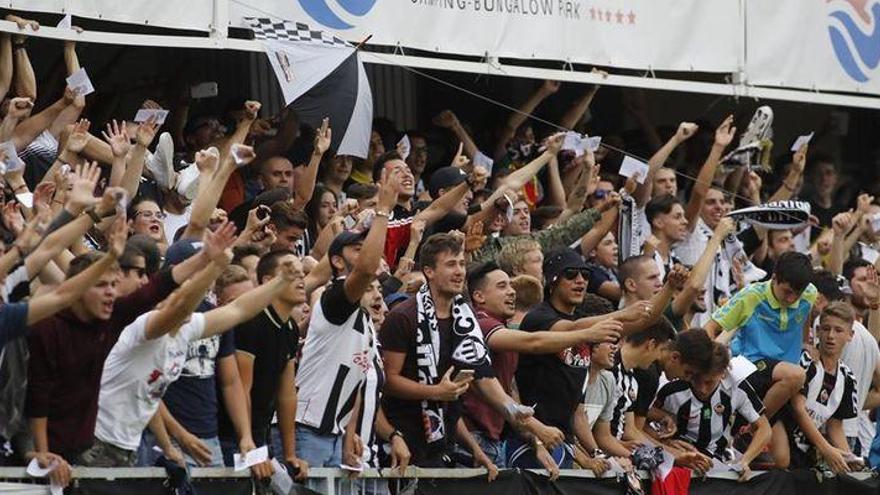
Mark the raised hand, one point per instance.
(460, 160)
(118, 236)
(289, 272)
(20, 107)
(43, 194)
(218, 243)
(475, 238)
(677, 277)
(799, 161)
(636, 312)
(864, 203)
(554, 143)
(872, 288)
(79, 137)
(207, 160)
(389, 186)
(82, 191)
(13, 220)
(251, 109)
(842, 223)
(725, 132)
(725, 227)
(323, 136)
(550, 87)
(117, 137)
(446, 119)
(146, 131)
(114, 198)
(686, 130)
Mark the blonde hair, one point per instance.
(838, 309)
(513, 254)
(529, 291)
(233, 274)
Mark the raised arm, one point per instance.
(181, 303)
(5, 64)
(134, 168)
(611, 209)
(283, 140)
(31, 127)
(211, 183)
(582, 104)
(448, 120)
(24, 81)
(364, 271)
(697, 279)
(117, 137)
(723, 136)
(644, 190)
(545, 342)
(45, 305)
(789, 184)
(518, 117)
(305, 183)
(842, 223)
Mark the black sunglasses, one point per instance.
(572, 273)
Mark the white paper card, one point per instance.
(869, 254)
(80, 83)
(740, 368)
(12, 161)
(34, 469)
(800, 141)
(574, 142)
(357, 469)
(666, 466)
(281, 483)
(144, 114)
(26, 199)
(404, 147)
(875, 222)
(252, 458)
(593, 143)
(66, 22)
(481, 160)
(631, 166)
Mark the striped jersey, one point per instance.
(706, 425)
(829, 396)
(339, 351)
(627, 392)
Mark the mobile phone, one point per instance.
(263, 212)
(463, 375)
(203, 90)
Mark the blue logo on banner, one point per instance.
(321, 12)
(856, 48)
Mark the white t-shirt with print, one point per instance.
(136, 374)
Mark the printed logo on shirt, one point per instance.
(362, 360)
(576, 357)
(201, 358)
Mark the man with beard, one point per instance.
(494, 299)
(433, 350)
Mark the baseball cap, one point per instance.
(180, 251)
(346, 238)
(392, 299)
(558, 260)
(444, 178)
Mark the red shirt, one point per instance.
(397, 238)
(478, 415)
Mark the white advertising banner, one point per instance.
(197, 15)
(814, 44)
(686, 35)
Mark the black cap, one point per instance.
(444, 178)
(346, 238)
(558, 260)
(180, 251)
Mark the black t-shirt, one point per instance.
(555, 382)
(398, 334)
(273, 344)
(649, 381)
(337, 308)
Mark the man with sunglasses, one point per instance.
(555, 382)
(133, 270)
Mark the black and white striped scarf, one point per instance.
(469, 352)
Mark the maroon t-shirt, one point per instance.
(478, 415)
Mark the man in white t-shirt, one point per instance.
(151, 352)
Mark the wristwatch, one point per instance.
(395, 433)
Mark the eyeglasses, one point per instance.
(141, 271)
(149, 214)
(572, 273)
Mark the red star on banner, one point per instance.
(619, 16)
(632, 17)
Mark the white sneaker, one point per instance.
(161, 162)
(188, 182)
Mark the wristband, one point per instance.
(380, 213)
(90, 211)
(395, 433)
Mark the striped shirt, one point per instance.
(628, 391)
(829, 396)
(706, 425)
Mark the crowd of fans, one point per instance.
(196, 290)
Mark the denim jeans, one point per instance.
(146, 455)
(318, 450)
(495, 450)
